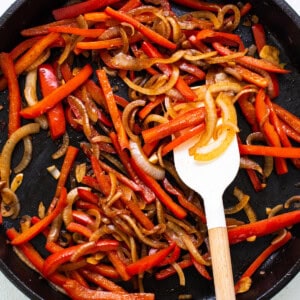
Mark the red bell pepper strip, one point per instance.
(15, 101)
(149, 262)
(262, 257)
(146, 31)
(250, 61)
(58, 94)
(259, 36)
(130, 4)
(77, 9)
(229, 39)
(88, 196)
(145, 191)
(34, 257)
(169, 271)
(199, 5)
(118, 264)
(183, 201)
(165, 199)
(290, 132)
(263, 227)
(37, 228)
(23, 46)
(53, 261)
(112, 108)
(79, 292)
(268, 129)
(190, 118)
(284, 152)
(55, 115)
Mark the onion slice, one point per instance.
(142, 161)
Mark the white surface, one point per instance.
(9, 291)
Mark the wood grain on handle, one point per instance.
(221, 263)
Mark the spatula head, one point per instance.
(210, 178)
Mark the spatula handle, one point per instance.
(221, 263)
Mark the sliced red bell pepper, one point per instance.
(77, 9)
(268, 129)
(81, 229)
(229, 39)
(149, 262)
(199, 5)
(58, 94)
(15, 101)
(53, 261)
(165, 199)
(262, 257)
(104, 270)
(37, 228)
(79, 292)
(181, 85)
(35, 258)
(55, 115)
(263, 227)
(259, 35)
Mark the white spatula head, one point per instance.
(209, 179)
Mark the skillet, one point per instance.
(283, 28)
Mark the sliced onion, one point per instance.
(6, 155)
(142, 161)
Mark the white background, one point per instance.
(9, 291)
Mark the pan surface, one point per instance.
(283, 27)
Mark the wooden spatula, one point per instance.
(210, 179)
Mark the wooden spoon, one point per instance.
(210, 180)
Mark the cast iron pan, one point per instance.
(283, 26)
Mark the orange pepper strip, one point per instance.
(23, 46)
(101, 281)
(131, 4)
(189, 133)
(97, 17)
(289, 118)
(263, 256)
(58, 94)
(35, 51)
(251, 61)
(112, 108)
(78, 292)
(285, 152)
(104, 270)
(81, 229)
(37, 228)
(118, 264)
(190, 118)
(43, 29)
(146, 31)
(66, 168)
(93, 33)
(15, 101)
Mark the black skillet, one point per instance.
(283, 27)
